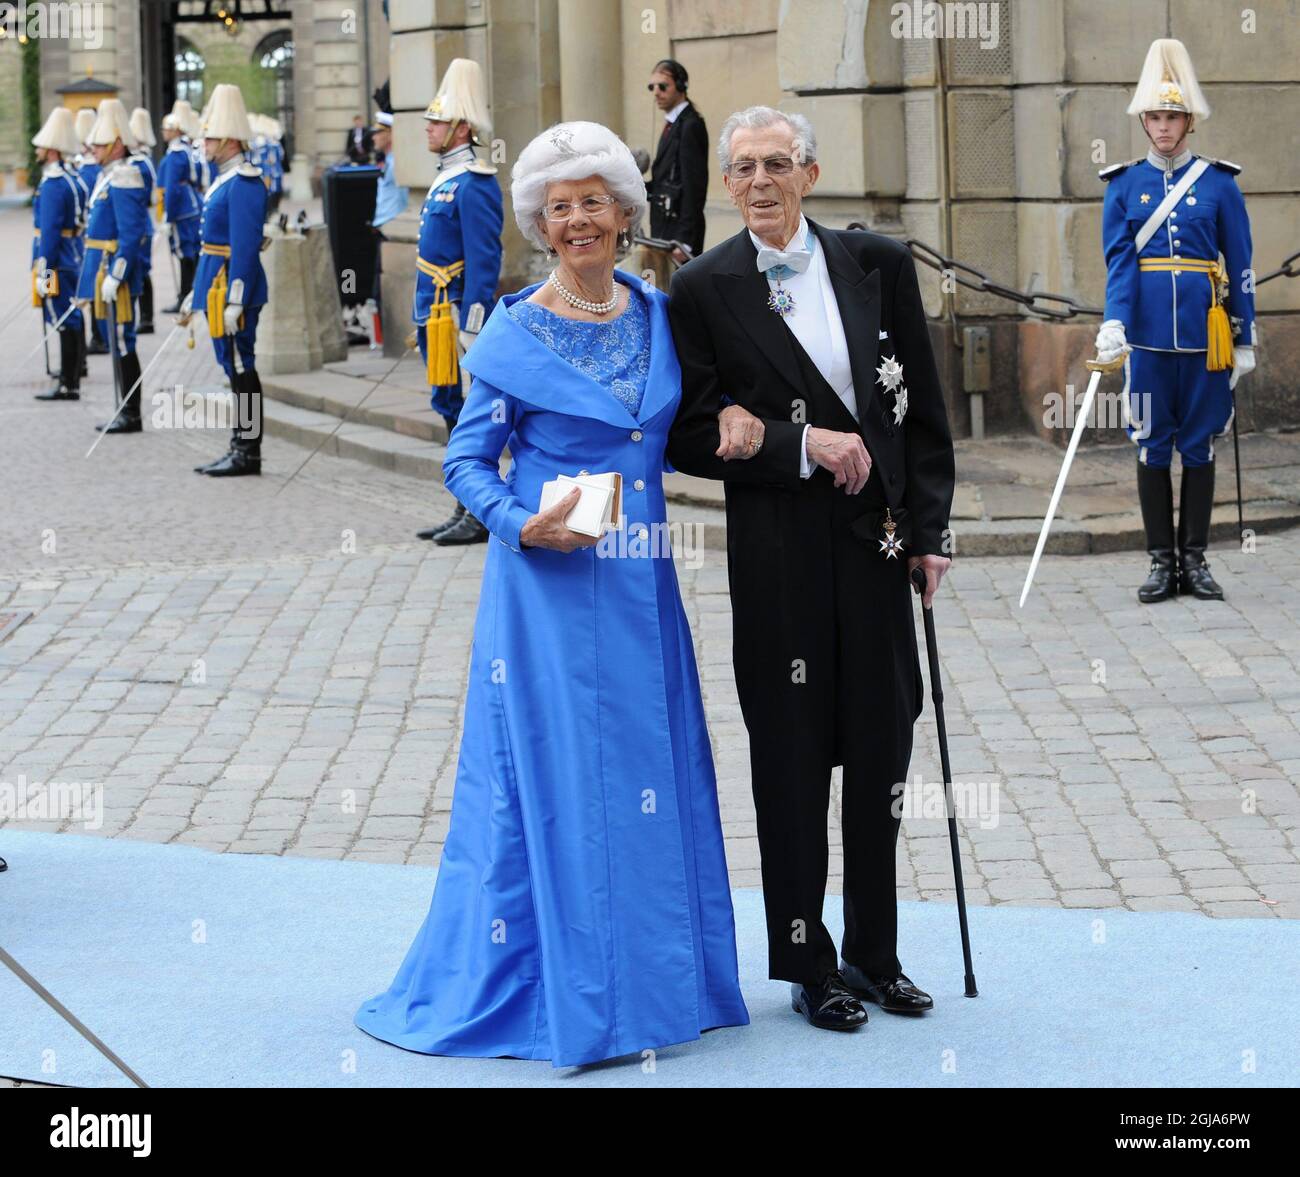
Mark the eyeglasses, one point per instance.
(653, 86)
(778, 165)
(562, 210)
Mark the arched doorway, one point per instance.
(274, 55)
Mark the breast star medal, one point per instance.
(890, 545)
(900, 406)
(780, 300)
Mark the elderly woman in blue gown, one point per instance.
(582, 909)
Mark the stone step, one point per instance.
(387, 421)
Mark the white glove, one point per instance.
(231, 317)
(44, 283)
(1243, 364)
(1111, 342)
(109, 290)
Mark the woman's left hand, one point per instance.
(740, 434)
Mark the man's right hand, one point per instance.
(1111, 342)
(843, 454)
(547, 529)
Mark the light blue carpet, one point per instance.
(204, 969)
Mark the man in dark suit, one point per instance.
(361, 142)
(809, 387)
(679, 175)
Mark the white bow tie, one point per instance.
(796, 260)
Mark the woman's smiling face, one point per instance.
(586, 240)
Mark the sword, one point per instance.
(147, 369)
(53, 1002)
(344, 419)
(45, 334)
(62, 318)
(1096, 367)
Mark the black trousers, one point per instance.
(828, 674)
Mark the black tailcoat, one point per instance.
(824, 645)
(681, 168)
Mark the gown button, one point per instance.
(639, 484)
(636, 435)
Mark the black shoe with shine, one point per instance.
(439, 528)
(236, 464)
(1162, 580)
(122, 424)
(215, 462)
(829, 1004)
(465, 530)
(1194, 579)
(895, 995)
(58, 394)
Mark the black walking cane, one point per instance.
(936, 693)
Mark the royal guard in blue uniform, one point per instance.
(230, 284)
(180, 201)
(88, 170)
(1180, 306)
(142, 129)
(59, 215)
(459, 261)
(111, 273)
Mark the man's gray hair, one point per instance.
(805, 138)
(573, 151)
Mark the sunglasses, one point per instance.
(653, 86)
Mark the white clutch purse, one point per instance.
(600, 506)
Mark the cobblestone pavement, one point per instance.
(270, 667)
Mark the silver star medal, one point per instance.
(900, 406)
(890, 374)
(890, 545)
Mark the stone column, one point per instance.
(591, 62)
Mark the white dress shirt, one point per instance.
(816, 323)
(671, 116)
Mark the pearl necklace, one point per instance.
(582, 304)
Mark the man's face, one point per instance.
(1167, 129)
(435, 131)
(102, 152)
(383, 139)
(665, 90)
(770, 204)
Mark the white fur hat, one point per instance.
(1168, 82)
(462, 96)
(111, 124)
(182, 118)
(59, 133)
(573, 151)
(85, 123)
(226, 116)
(142, 127)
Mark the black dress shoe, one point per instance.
(433, 532)
(58, 394)
(215, 462)
(1194, 579)
(1162, 581)
(236, 464)
(828, 1005)
(122, 425)
(466, 530)
(895, 995)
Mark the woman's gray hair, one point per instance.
(573, 151)
(805, 138)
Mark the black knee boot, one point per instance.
(128, 417)
(69, 383)
(95, 345)
(1195, 504)
(145, 326)
(245, 455)
(1156, 496)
